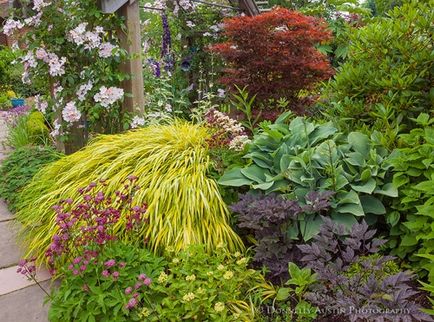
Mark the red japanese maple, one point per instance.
(274, 53)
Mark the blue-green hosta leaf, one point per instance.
(234, 178)
(326, 153)
(372, 205)
(254, 173)
(310, 226)
(263, 186)
(389, 189)
(367, 187)
(261, 159)
(300, 129)
(284, 162)
(356, 159)
(360, 142)
(343, 218)
(322, 132)
(348, 197)
(350, 208)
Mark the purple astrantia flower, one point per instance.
(131, 303)
(110, 263)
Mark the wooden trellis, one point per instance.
(131, 42)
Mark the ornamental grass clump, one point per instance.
(171, 163)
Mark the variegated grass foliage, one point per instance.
(171, 163)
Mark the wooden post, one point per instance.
(131, 42)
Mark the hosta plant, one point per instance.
(356, 283)
(171, 163)
(411, 222)
(307, 156)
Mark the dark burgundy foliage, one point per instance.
(274, 53)
(268, 218)
(377, 298)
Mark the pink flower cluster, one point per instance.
(70, 113)
(27, 267)
(107, 96)
(90, 224)
(55, 64)
(91, 39)
(142, 280)
(227, 131)
(11, 26)
(83, 90)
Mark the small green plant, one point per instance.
(5, 101)
(28, 129)
(102, 291)
(197, 286)
(290, 298)
(19, 167)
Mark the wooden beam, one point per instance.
(131, 42)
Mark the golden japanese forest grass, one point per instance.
(171, 163)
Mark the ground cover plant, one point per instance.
(18, 169)
(171, 163)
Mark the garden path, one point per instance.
(20, 300)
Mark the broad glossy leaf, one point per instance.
(372, 205)
(360, 142)
(367, 187)
(234, 178)
(322, 132)
(389, 189)
(350, 208)
(310, 226)
(254, 173)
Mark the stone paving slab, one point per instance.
(25, 305)
(5, 214)
(11, 281)
(10, 253)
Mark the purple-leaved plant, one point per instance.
(268, 218)
(366, 294)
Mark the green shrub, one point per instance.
(5, 101)
(172, 165)
(388, 75)
(412, 221)
(27, 130)
(305, 156)
(18, 169)
(36, 126)
(200, 287)
(92, 296)
(6, 59)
